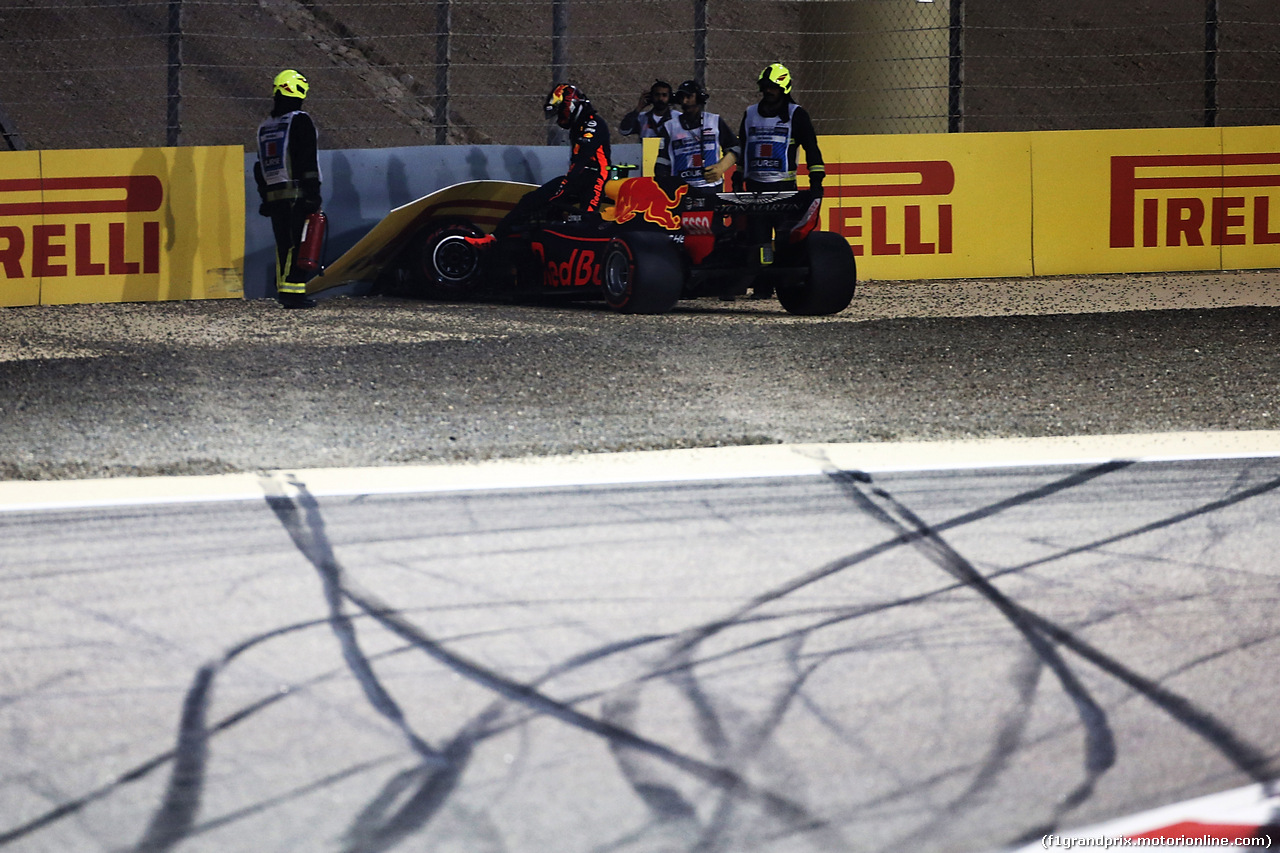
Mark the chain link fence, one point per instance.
(108, 73)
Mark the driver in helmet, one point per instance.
(288, 177)
(582, 186)
(693, 140)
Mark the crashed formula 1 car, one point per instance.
(659, 241)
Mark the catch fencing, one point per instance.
(106, 73)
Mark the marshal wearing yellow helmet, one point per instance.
(288, 178)
(771, 135)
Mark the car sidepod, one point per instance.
(566, 259)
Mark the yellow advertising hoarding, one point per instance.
(931, 205)
(986, 205)
(1178, 199)
(168, 223)
(19, 189)
(1125, 200)
(1249, 222)
(927, 205)
(121, 225)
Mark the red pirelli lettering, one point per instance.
(138, 194)
(887, 223)
(905, 230)
(1184, 216)
(918, 177)
(55, 250)
(44, 250)
(11, 255)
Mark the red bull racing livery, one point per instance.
(656, 242)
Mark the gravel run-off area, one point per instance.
(229, 385)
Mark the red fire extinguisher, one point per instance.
(312, 245)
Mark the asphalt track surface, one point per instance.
(845, 653)
(757, 649)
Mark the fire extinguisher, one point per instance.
(312, 245)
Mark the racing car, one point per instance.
(657, 242)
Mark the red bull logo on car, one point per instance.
(580, 269)
(646, 198)
(569, 260)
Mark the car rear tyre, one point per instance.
(642, 273)
(831, 279)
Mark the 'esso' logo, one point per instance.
(696, 222)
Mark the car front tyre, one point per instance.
(447, 265)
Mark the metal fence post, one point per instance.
(559, 59)
(173, 120)
(955, 101)
(700, 41)
(444, 26)
(1211, 63)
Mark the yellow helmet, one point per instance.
(776, 74)
(291, 84)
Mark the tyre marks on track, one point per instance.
(299, 512)
(1044, 638)
(681, 660)
(738, 742)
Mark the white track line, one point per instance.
(756, 461)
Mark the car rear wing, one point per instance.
(800, 208)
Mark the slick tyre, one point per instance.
(446, 266)
(832, 276)
(642, 273)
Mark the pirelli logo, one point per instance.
(88, 241)
(1154, 202)
(923, 226)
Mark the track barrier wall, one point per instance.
(171, 223)
(360, 186)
